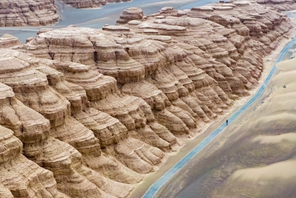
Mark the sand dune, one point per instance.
(271, 137)
(285, 169)
(286, 66)
(262, 139)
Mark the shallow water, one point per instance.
(96, 18)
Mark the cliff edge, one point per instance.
(28, 13)
(90, 3)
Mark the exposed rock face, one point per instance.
(39, 13)
(90, 3)
(21, 177)
(282, 5)
(100, 108)
(130, 14)
(7, 41)
(57, 141)
(27, 13)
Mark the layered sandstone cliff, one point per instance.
(281, 5)
(90, 3)
(94, 110)
(39, 13)
(28, 13)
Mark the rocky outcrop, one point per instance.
(130, 14)
(20, 128)
(39, 13)
(90, 3)
(27, 13)
(57, 141)
(281, 5)
(100, 108)
(8, 41)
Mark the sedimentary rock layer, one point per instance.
(27, 13)
(90, 3)
(39, 13)
(282, 5)
(7, 41)
(97, 109)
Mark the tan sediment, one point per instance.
(289, 137)
(280, 170)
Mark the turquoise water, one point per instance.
(96, 18)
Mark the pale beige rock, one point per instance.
(130, 14)
(21, 176)
(5, 192)
(137, 155)
(282, 5)
(8, 41)
(90, 3)
(28, 13)
(51, 153)
(191, 70)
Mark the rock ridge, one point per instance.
(285, 5)
(90, 3)
(28, 13)
(40, 13)
(37, 13)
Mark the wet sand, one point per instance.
(255, 156)
(184, 178)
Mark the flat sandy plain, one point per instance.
(256, 156)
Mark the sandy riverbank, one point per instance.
(255, 155)
(188, 145)
(270, 171)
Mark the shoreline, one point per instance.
(189, 144)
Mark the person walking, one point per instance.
(226, 122)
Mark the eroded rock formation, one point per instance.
(90, 3)
(7, 41)
(27, 13)
(39, 13)
(281, 5)
(97, 109)
(129, 14)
